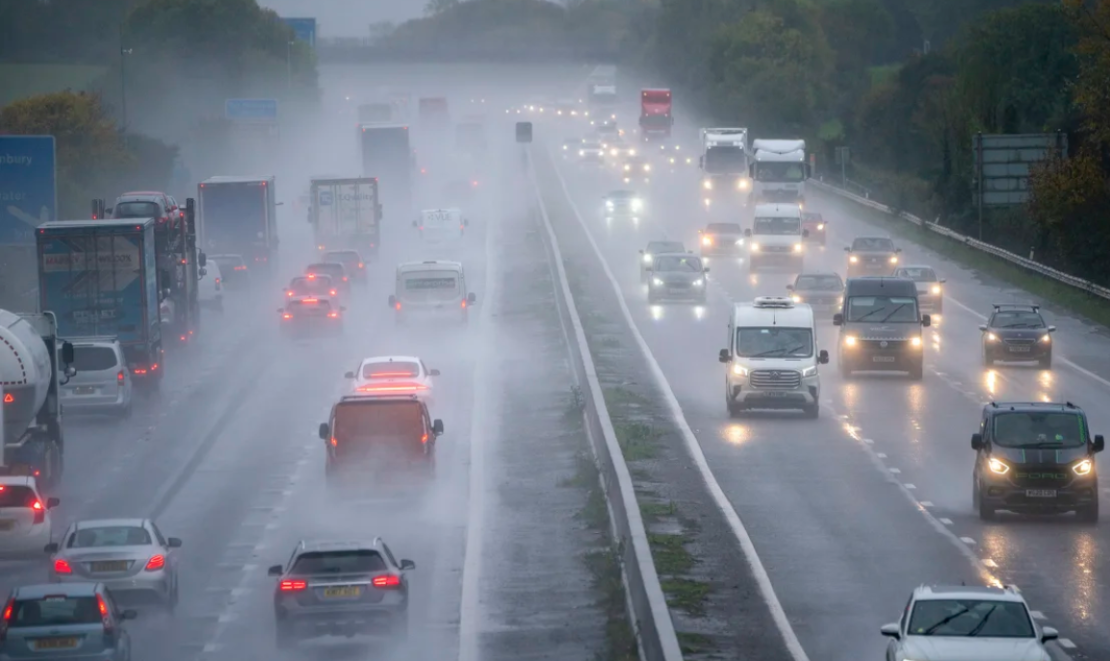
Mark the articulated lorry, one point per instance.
(99, 278)
(34, 363)
(655, 114)
(779, 171)
(373, 113)
(238, 216)
(724, 165)
(387, 155)
(345, 213)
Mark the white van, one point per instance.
(772, 357)
(211, 287)
(775, 238)
(441, 225)
(103, 382)
(431, 290)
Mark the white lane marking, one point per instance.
(945, 521)
(967, 540)
(735, 524)
(472, 618)
(866, 440)
(896, 471)
(911, 487)
(992, 564)
(1037, 615)
(881, 455)
(926, 503)
(1066, 644)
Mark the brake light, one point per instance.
(424, 438)
(240, 268)
(156, 562)
(344, 278)
(333, 292)
(120, 377)
(62, 567)
(310, 300)
(105, 614)
(398, 306)
(361, 265)
(386, 375)
(402, 387)
(387, 581)
(40, 513)
(293, 586)
(464, 304)
(311, 276)
(7, 618)
(334, 441)
(286, 316)
(154, 367)
(333, 315)
(138, 370)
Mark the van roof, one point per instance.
(430, 265)
(880, 286)
(777, 211)
(798, 315)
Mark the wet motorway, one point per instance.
(226, 457)
(852, 511)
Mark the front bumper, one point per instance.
(1002, 350)
(806, 394)
(899, 356)
(730, 248)
(1033, 498)
(816, 236)
(764, 258)
(865, 268)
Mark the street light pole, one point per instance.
(289, 64)
(123, 53)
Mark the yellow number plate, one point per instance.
(55, 643)
(333, 593)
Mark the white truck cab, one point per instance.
(724, 165)
(439, 225)
(775, 237)
(772, 357)
(779, 171)
(433, 290)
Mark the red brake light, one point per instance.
(8, 399)
(62, 567)
(286, 316)
(344, 278)
(398, 306)
(333, 292)
(464, 304)
(311, 276)
(289, 293)
(424, 438)
(401, 387)
(156, 562)
(333, 315)
(240, 268)
(387, 581)
(386, 375)
(293, 586)
(120, 377)
(40, 513)
(361, 265)
(310, 300)
(105, 615)
(36, 506)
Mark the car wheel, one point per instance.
(1089, 513)
(917, 372)
(986, 512)
(988, 360)
(812, 411)
(735, 410)
(1046, 362)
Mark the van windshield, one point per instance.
(818, 283)
(430, 286)
(774, 342)
(1037, 429)
(883, 309)
(777, 226)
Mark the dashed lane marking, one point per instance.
(945, 521)
(896, 471)
(1066, 644)
(926, 503)
(911, 487)
(967, 540)
(990, 563)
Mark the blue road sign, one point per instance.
(28, 186)
(304, 29)
(252, 110)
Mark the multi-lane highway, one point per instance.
(226, 456)
(852, 511)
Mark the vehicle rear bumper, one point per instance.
(97, 403)
(106, 655)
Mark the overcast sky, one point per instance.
(346, 18)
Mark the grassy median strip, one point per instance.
(1093, 307)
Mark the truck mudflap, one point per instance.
(34, 457)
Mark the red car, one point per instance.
(815, 224)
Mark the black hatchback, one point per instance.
(1035, 458)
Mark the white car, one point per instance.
(210, 292)
(25, 524)
(956, 623)
(394, 375)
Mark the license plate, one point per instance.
(1040, 493)
(883, 359)
(113, 565)
(775, 393)
(1019, 349)
(7, 524)
(342, 593)
(55, 643)
(84, 390)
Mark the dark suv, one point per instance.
(1035, 458)
(389, 433)
(342, 588)
(880, 327)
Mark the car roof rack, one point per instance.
(1017, 306)
(777, 302)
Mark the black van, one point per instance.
(880, 327)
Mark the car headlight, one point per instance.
(707, 184)
(699, 282)
(991, 337)
(1046, 338)
(739, 370)
(1084, 467)
(997, 467)
(796, 298)
(850, 341)
(915, 342)
(631, 152)
(853, 259)
(564, 147)
(608, 204)
(797, 247)
(672, 160)
(581, 152)
(657, 282)
(820, 226)
(637, 204)
(613, 152)
(647, 167)
(689, 161)
(893, 260)
(707, 240)
(627, 167)
(739, 242)
(647, 259)
(744, 184)
(935, 289)
(809, 371)
(755, 247)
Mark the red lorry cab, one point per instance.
(655, 113)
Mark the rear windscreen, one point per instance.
(355, 421)
(137, 210)
(93, 359)
(16, 496)
(108, 536)
(391, 370)
(334, 270)
(342, 256)
(317, 285)
(338, 562)
(53, 611)
(430, 286)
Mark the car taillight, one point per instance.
(120, 377)
(7, 620)
(138, 370)
(105, 614)
(361, 265)
(424, 438)
(344, 278)
(398, 305)
(387, 581)
(62, 567)
(240, 268)
(156, 562)
(333, 315)
(286, 316)
(40, 513)
(333, 292)
(464, 304)
(293, 586)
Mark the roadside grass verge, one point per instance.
(1069, 298)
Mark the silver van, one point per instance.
(103, 382)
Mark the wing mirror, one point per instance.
(897, 250)
(942, 280)
(415, 224)
(67, 353)
(274, 570)
(926, 320)
(823, 357)
(202, 258)
(1100, 443)
(891, 630)
(838, 319)
(748, 232)
(983, 327)
(406, 565)
(324, 431)
(433, 372)
(1048, 633)
(977, 442)
(789, 287)
(52, 502)
(1051, 329)
(437, 426)
(51, 548)
(349, 375)
(174, 542)
(129, 614)
(202, 272)
(847, 248)
(641, 252)
(805, 233)
(724, 356)
(705, 270)
(392, 300)
(471, 298)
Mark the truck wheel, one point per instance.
(1046, 362)
(812, 411)
(917, 372)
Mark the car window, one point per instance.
(873, 245)
(314, 563)
(775, 342)
(881, 309)
(315, 285)
(916, 274)
(818, 283)
(1017, 319)
(17, 496)
(981, 618)
(1042, 429)
(678, 264)
(137, 210)
(391, 370)
(53, 611)
(665, 246)
(108, 536)
(726, 228)
(93, 359)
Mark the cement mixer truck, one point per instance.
(34, 363)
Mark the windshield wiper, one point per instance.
(869, 314)
(982, 622)
(770, 352)
(896, 308)
(932, 629)
(1042, 445)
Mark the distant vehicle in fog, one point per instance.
(210, 291)
(656, 248)
(394, 375)
(239, 215)
(233, 269)
(722, 239)
(821, 290)
(312, 285)
(334, 270)
(431, 291)
(309, 315)
(388, 155)
(930, 288)
(677, 277)
(871, 255)
(438, 225)
(345, 212)
(102, 384)
(814, 223)
(623, 203)
(352, 262)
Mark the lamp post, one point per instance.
(123, 53)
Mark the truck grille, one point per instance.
(777, 249)
(775, 379)
(878, 345)
(1051, 477)
(779, 195)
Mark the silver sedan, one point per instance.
(130, 556)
